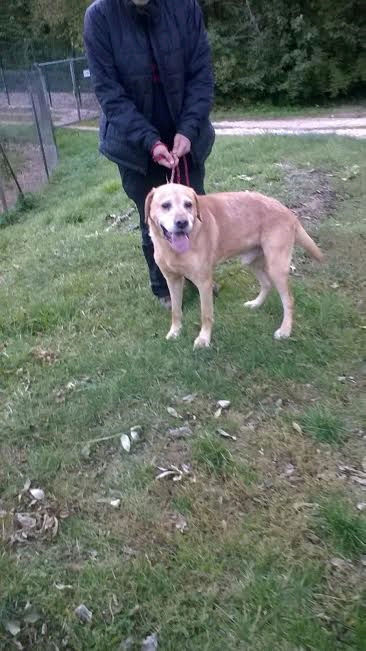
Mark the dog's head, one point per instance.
(172, 210)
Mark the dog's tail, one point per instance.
(307, 243)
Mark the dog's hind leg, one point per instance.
(278, 268)
(257, 267)
(175, 285)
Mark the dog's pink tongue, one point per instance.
(180, 243)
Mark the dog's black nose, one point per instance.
(181, 224)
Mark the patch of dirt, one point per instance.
(310, 192)
(29, 169)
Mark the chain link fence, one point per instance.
(66, 84)
(28, 151)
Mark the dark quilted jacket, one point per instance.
(120, 65)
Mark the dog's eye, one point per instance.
(188, 205)
(166, 205)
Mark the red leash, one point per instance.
(176, 173)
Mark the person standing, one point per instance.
(151, 68)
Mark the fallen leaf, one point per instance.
(27, 485)
(150, 643)
(37, 493)
(297, 427)
(125, 442)
(226, 435)
(166, 473)
(181, 523)
(85, 451)
(180, 432)
(62, 586)
(25, 521)
(135, 433)
(13, 627)
(173, 412)
(190, 397)
(223, 404)
(83, 613)
(218, 413)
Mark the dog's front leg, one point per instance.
(206, 296)
(175, 284)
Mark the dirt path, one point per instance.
(353, 127)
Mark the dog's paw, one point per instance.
(282, 334)
(201, 342)
(173, 333)
(252, 304)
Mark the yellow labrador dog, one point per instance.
(191, 234)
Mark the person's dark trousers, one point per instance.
(137, 187)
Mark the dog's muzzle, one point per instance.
(178, 240)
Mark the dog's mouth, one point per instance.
(178, 241)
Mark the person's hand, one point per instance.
(161, 155)
(182, 146)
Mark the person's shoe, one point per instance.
(165, 302)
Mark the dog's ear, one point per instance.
(148, 201)
(198, 212)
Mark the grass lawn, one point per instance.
(261, 544)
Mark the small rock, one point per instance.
(150, 643)
(361, 506)
(83, 613)
(115, 503)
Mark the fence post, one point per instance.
(4, 82)
(2, 195)
(38, 130)
(72, 72)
